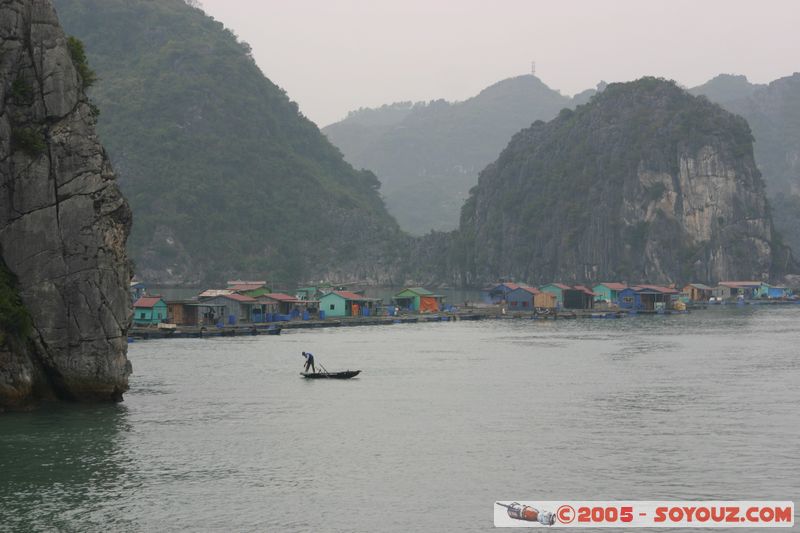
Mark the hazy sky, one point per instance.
(332, 56)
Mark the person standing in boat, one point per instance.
(309, 361)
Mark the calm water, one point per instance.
(445, 419)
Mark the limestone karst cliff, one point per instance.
(773, 113)
(644, 183)
(63, 222)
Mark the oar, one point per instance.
(323, 369)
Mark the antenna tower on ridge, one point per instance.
(533, 68)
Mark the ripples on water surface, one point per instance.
(445, 419)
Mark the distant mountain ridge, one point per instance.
(773, 112)
(428, 155)
(224, 176)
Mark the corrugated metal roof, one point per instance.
(656, 288)
(239, 298)
(245, 286)
(212, 293)
(614, 286)
(558, 285)
(147, 301)
(532, 290)
(347, 295)
(585, 289)
(701, 286)
(740, 284)
(419, 290)
(281, 297)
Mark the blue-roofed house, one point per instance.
(499, 293)
(647, 298)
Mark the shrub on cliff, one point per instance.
(78, 54)
(15, 322)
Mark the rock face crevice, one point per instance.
(63, 221)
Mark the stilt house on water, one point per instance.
(557, 289)
(346, 303)
(496, 294)
(608, 292)
(647, 298)
(522, 298)
(419, 300)
(748, 290)
(568, 297)
(228, 309)
(697, 292)
(149, 310)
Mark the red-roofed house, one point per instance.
(227, 308)
(522, 298)
(608, 291)
(579, 297)
(149, 310)
(749, 290)
(557, 289)
(647, 298)
(499, 293)
(277, 302)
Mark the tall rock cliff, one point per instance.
(63, 223)
(643, 183)
(773, 112)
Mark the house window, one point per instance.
(524, 304)
(141, 315)
(627, 299)
(333, 306)
(513, 304)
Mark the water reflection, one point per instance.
(64, 467)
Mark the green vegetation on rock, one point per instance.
(15, 322)
(28, 139)
(78, 54)
(224, 175)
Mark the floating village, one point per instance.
(252, 308)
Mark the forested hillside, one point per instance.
(224, 175)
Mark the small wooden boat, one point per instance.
(274, 330)
(346, 374)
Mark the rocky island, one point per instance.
(645, 183)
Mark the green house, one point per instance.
(419, 299)
(608, 292)
(346, 303)
(557, 289)
(149, 310)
